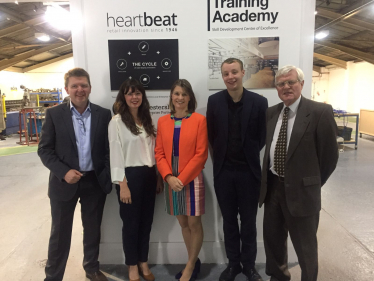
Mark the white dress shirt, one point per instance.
(291, 120)
(127, 149)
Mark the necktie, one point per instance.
(280, 152)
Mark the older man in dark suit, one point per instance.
(301, 153)
(74, 147)
(236, 131)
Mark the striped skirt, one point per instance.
(190, 201)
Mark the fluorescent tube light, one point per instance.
(42, 37)
(322, 34)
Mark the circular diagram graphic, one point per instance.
(166, 63)
(145, 79)
(143, 46)
(121, 64)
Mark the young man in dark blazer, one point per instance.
(301, 153)
(74, 147)
(236, 131)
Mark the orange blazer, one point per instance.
(193, 146)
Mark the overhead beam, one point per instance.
(25, 46)
(51, 33)
(352, 40)
(7, 63)
(345, 16)
(350, 51)
(354, 6)
(334, 61)
(18, 27)
(11, 17)
(352, 21)
(11, 40)
(317, 69)
(44, 63)
(54, 53)
(33, 23)
(14, 69)
(6, 56)
(24, 53)
(31, 61)
(11, 14)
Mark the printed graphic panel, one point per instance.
(153, 62)
(260, 56)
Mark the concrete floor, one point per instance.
(346, 231)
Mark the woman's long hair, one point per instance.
(120, 107)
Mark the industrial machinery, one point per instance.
(2, 113)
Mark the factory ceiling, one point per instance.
(349, 24)
(20, 50)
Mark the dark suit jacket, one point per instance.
(311, 158)
(253, 129)
(59, 153)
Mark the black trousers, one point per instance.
(137, 217)
(237, 192)
(92, 200)
(303, 232)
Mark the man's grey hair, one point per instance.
(286, 69)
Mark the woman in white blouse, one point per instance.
(132, 165)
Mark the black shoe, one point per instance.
(230, 272)
(252, 274)
(97, 276)
(273, 279)
(195, 272)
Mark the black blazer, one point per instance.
(253, 128)
(58, 149)
(311, 158)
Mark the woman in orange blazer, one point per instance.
(181, 152)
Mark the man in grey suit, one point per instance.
(74, 147)
(301, 153)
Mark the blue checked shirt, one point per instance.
(82, 129)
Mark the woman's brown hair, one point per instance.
(120, 107)
(186, 86)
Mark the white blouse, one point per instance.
(127, 149)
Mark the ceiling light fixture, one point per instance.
(16, 2)
(315, 12)
(42, 37)
(58, 17)
(322, 34)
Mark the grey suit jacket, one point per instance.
(311, 158)
(59, 153)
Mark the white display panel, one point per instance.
(188, 21)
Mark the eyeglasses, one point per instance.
(289, 83)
